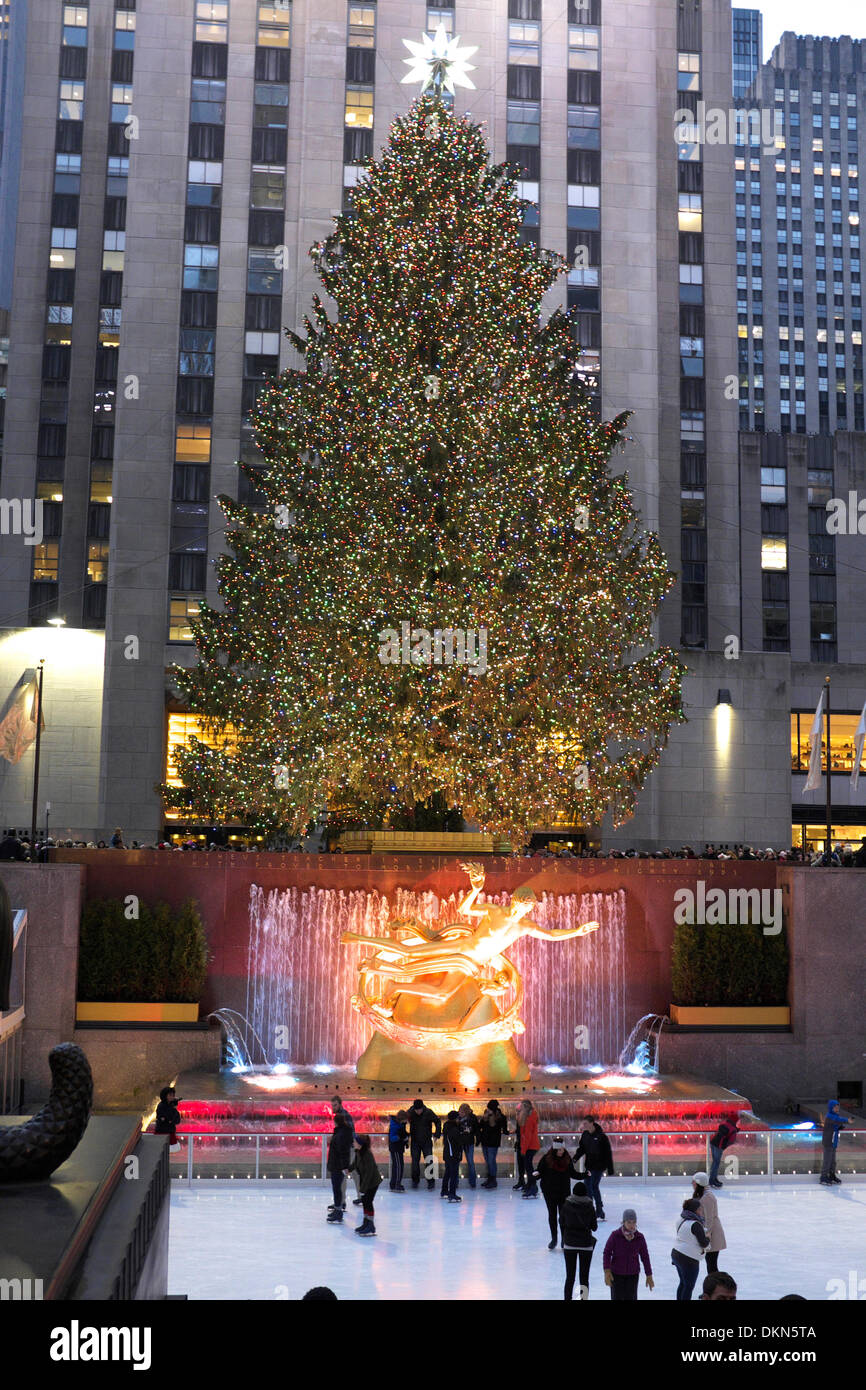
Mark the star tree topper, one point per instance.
(438, 62)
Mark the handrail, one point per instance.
(271, 1132)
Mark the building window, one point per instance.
(183, 727)
(583, 44)
(211, 21)
(97, 562)
(71, 101)
(773, 486)
(275, 23)
(183, 609)
(74, 26)
(359, 108)
(192, 443)
(268, 187)
(362, 26)
(46, 560)
(523, 42)
(689, 72)
(774, 553)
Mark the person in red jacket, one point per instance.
(624, 1254)
(527, 1119)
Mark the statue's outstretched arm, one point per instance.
(560, 933)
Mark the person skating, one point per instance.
(577, 1221)
(594, 1148)
(529, 1142)
(452, 1152)
(470, 1134)
(339, 1161)
(709, 1214)
(398, 1142)
(624, 1253)
(834, 1122)
(369, 1178)
(555, 1169)
(424, 1126)
(337, 1107)
(690, 1242)
(723, 1138)
(493, 1127)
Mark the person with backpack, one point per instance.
(555, 1170)
(724, 1137)
(577, 1221)
(690, 1242)
(369, 1179)
(624, 1253)
(424, 1126)
(398, 1142)
(594, 1148)
(470, 1134)
(492, 1128)
(709, 1214)
(834, 1123)
(339, 1161)
(452, 1152)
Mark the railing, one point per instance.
(12, 1020)
(640, 1155)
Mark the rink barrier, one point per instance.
(852, 1148)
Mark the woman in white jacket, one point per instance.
(709, 1214)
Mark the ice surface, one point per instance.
(269, 1240)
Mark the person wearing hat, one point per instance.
(555, 1170)
(493, 1127)
(424, 1127)
(452, 1152)
(709, 1214)
(369, 1180)
(577, 1221)
(624, 1253)
(168, 1117)
(833, 1124)
(690, 1242)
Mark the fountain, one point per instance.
(640, 1055)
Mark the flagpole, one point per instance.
(829, 767)
(36, 762)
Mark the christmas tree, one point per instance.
(449, 594)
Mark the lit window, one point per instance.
(688, 72)
(268, 187)
(121, 100)
(97, 561)
(359, 108)
(205, 171)
(275, 23)
(774, 553)
(100, 482)
(46, 560)
(183, 727)
(192, 443)
(362, 26)
(183, 609)
(71, 101)
(212, 21)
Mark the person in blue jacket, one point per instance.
(834, 1123)
(398, 1142)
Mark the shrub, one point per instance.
(160, 957)
(718, 966)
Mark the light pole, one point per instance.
(36, 760)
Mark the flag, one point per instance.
(18, 726)
(813, 781)
(859, 740)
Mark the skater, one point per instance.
(723, 1138)
(424, 1126)
(168, 1117)
(527, 1119)
(369, 1178)
(493, 1126)
(339, 1160)
(452, 1152)
(594, 1148)
(555, 1170)
(337, 1107)
(690, 1242)
(470, 1134)
(624, 1254)
(577, 1221)
(833, 1124)
(709, 1214)
(398, 1142)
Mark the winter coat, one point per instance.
(529, 1134)
(423, 1127)
(365, 1165)
(470, 1131)
(397, 1136)
(623, 1256)
(577, 1221)
(452, 1141)
(349, 1121)
(340, 1149)
(556, 1175)
(595, 1150)
(167, 1117)
(725, 1135)
(492, 1128)
(690, 1238)
(709, 1214)
(833, 1124)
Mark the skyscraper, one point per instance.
(748, 51)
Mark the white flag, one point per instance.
(813, 781)
(859, 740)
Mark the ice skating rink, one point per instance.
(269, 1240)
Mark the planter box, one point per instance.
(420, 842)
(136, 1013)
(775, 1016)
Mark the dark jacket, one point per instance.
(833, 1123)
(397, 1136)
(365, 1165)
(556, 1175)
(167, 1116)
(423, 1126)
(595, 1149)
(470, 1131)
(452, 1140)
(725, 1135)
(577, 1221)
(340, 1149)
(12, 848)
(492, 1128)
(624, 1256)
(349, 1121)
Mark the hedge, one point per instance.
(159, 958)
(734, 965)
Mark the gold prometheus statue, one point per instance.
(451, 987)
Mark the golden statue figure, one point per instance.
(429, 990)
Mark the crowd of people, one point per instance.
(570, 1184)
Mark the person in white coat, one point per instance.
(709, 1214)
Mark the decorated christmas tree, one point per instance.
(449, 593)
